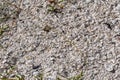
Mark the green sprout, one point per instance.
(51, 8)
(19, 77)
(3, 29)
(78, 77)
(39, 77)
(55, 6)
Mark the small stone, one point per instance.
(35, 73)
(49, 78)
(88, 1)
(36, 67)
(21, 61)
(47, 28)
(118, 7)
(91, 58)
(12, 75)
(113, 71)
(109, 66)
(51, 1)
(4, 61)
(108, 25)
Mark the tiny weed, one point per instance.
(58, 79)
(19, 77)
(47, 28)
(55, 6)
(3, 29)
(6, 75)
(39, 77)
(78, 77)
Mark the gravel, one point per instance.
(81, 36)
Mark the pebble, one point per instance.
(35, 73)
(118, 7)
(109, 66)
(36, 66)
(4, 61)
(88, 1)
(21, 61)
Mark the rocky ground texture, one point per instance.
(60, 39)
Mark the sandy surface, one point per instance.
(71, 37)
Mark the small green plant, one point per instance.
(39, 77)
(78, 77)
(19, 77)
(1, 46)
(58, 78)
(4, 18)
(55, 6)
(47, 28)
(3, 29)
